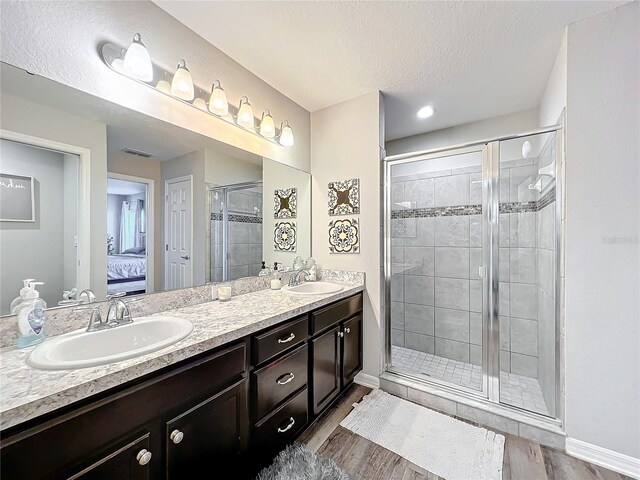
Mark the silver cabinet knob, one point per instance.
(288, 427)
(347, 330)
(143, 457)
(176, 436)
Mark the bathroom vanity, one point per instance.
(194, 406)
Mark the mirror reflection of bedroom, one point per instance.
(126, 237)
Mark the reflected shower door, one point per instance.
(436, 260)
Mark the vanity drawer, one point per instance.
(329, 316)
(276, 381)
(276, 340)
(285, 423)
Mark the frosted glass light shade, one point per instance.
(182, 83)
(286, 135)
(164, 86)
(526, 149)
(218, 103)
(245, 114)
(200, 103)
(137, 62)
(267, 126)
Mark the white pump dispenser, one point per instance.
(23, 294)
(31, 317)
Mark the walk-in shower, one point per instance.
(235, 226)
(471, 269)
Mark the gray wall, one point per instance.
(603, 223)
(36, 250)
(70, 170)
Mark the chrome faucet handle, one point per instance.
(91, 297)
(118, 313)
(95, 321)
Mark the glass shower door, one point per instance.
(436, 261)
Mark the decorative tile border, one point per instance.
(237, 218)
(462, 210)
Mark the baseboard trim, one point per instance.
(367, 380)
(618, 462)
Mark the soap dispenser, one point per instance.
(31, 318)
(23, 294)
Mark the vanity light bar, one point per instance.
(135, 63)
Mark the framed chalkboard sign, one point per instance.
(16, 198)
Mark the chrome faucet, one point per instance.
(118, 314)
(295, 278)
(91, 297)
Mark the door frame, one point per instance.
(150, 220)
(83, 216)
(167, 182)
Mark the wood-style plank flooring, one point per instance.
(523, 459)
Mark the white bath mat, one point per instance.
(436, 442)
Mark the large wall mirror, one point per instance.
(97, 196)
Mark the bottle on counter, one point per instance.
(23, 294)
(276, 281)
(30, 314)
(264, 271)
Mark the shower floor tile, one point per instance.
(516, 390)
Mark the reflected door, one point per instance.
(438, 270)
(178, 234)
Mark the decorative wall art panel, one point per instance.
(285, 203)
(284, 237)
(344, 236)
(16, 198)
(344, 197)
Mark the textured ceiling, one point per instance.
(471, 60)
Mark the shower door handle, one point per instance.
(184, 257)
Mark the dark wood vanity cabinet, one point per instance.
(337, 351)
(233, 407)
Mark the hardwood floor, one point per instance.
(523, 459)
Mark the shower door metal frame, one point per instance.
(490, 234)
(226, 189)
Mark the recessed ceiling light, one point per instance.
(426, 111)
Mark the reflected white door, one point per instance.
(178, 265)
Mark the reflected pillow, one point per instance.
(134, 250)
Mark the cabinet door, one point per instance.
(208, 435)
(351, 349)
(130, 461)
(325, 369)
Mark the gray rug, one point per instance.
(297, 462)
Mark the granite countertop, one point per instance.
(26, 392)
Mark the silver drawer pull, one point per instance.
(288, 339)
(288, 427)
(290, 375)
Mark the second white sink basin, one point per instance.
(82, 349)
(314, 288)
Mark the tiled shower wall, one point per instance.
(436, 251)
(245, 235)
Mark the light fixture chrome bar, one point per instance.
(113, 54)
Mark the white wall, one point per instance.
(28, 118)
(603, 216)
(44, 257)
(190, 164)
(70, 169)
(554, 98)
(278, 176)
(469, 132)
(346, 142)
(61, 40)
(222, 169)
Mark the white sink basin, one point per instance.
(81, 349)
(314, 288)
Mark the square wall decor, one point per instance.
(344, 236)
(344, 197)
(285, 203)
(284, 237)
